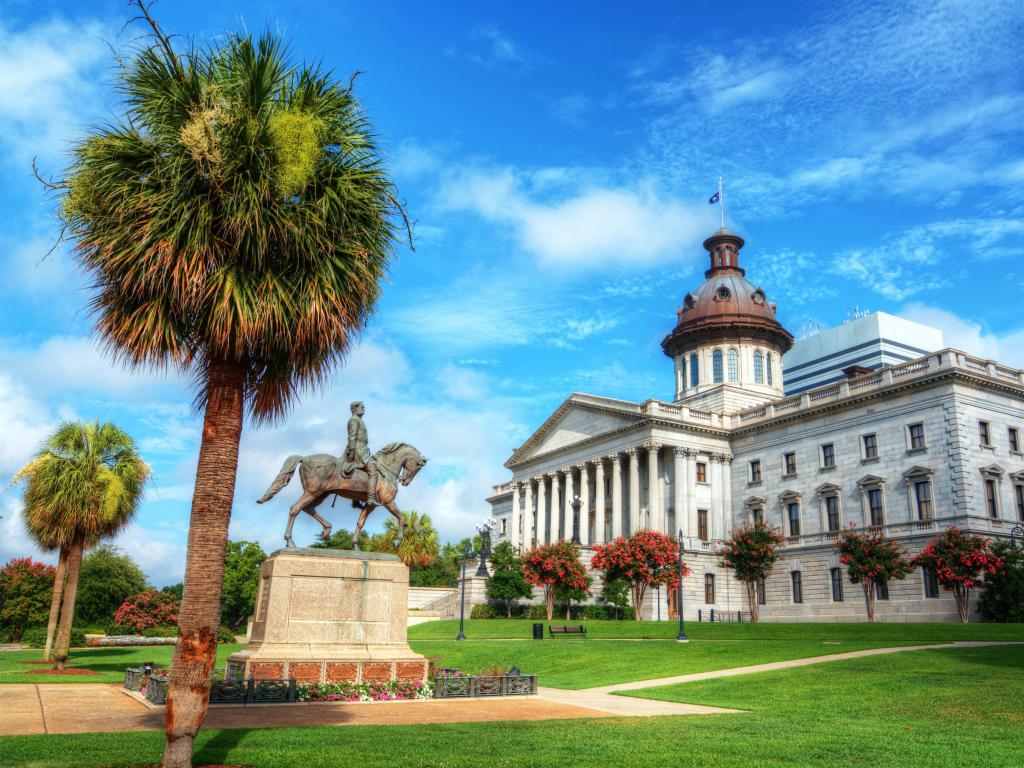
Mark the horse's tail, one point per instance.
(282, 479)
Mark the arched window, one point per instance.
(758, 367)
(694, 370)
(716, 366)
(768, 367)
(734, 365)
(682, 372)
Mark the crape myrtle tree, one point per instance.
(645, 559)
(960, 562)
(555, 567)
(25, 589)
(507, 582)
(751, 553)
(236, 221)
(871, 559)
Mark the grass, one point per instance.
(109, 663)
(929, 709)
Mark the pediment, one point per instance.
(870, 480)
(916, 471)
(790, 495)
(577, 420)
(827, 488)
(754, 501)
(992, 469)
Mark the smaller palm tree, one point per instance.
(85, 483)
(419, 545)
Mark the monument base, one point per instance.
(330, 616)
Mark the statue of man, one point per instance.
(358, 450)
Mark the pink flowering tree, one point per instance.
(751, 554)
(960, 562)
(147, 609)
(871, 559)
(557, 568)
(645, 559)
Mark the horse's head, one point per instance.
(411, 464)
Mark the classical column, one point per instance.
(634, 490)
(679, 490)
(528, 516)
(585, 506)
(691, 490)
(726, 495)
(716, 496)
(599, 502)
(556, 508)
(616, 496)
(567, 505)
(514, 529)
(542, 510)
(653, 489)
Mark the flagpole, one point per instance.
(721, 201)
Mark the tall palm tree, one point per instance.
(237, 222)
(419, 545)
(85, 483)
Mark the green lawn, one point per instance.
(110, 663)
(930, 709)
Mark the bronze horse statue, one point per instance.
(322, 475)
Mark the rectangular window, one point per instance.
(755, 471)
(828, 455)
(923, 496)
(875, 506)
(881, 590)
(762, 598)
(757, 515)
(793, 508)
(702, 524)
(504, 526)
(832, 511)
(931, 583)
(983, 434)
(916, 434)
(702, 472)
(837, 584)
(789, 464)
(991, 498)
(870, 443)
(1014, 440)
(1018, 493)
(798, 587)
(709, 588)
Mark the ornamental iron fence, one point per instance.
(227, 691)
(714, 615)
(484, 685)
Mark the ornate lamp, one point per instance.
(467, 555)
(576, 504)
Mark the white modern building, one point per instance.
(868, 342)
(912, 447)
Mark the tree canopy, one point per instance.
(108, 577)
(242, 561)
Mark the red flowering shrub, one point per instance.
(26, 588)
(751, 553)
(959, 561)
(556, 567)
(645, 559)
(870, 560)
(147, 609)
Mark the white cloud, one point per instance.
(499, 50)
(970, 336)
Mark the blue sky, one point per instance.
(557, 158)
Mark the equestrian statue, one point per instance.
(368, 480)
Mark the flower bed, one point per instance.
(394, 690)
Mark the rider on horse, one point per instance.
(357, 453)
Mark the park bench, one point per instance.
(567, 629)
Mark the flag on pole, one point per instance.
(715, 197)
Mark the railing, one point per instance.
(252, 691)
(821, 394)
(461, 686)
(714, 615)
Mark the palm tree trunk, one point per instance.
(196, 650)
(67, 610)
(58, 592)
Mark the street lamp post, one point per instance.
(1017, 532)
(576, 504)
(467, 553)
(681, 637)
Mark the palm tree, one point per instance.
(84, 483)
(237, 222)
(419, 545)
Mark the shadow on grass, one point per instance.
(217, 750)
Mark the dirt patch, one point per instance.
(44, 663)
(59, 672)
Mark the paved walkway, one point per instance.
(92, 708)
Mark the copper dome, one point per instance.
(726, 305)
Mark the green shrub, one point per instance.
(537, 612)
(164, 630)
(484, 611)
(224, 634)
(35, 637)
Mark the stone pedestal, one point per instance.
(327, 615)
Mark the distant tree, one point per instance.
(25, 589)
(146, 610)
(419, 544)
(615, 592)
(554, 566)
(646, 559)
(442, 572)
(751, 553)
(960, 562)
(1003, 597)
(507, 581)
(109, 576)
(342, 539)
(871, 559)
(242, 561)
(570, 593)
(175, 590)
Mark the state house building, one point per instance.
(914, 441)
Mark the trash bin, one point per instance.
(538, 631)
